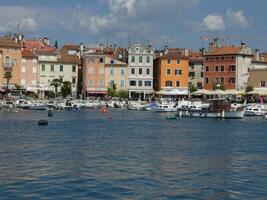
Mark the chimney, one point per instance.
(243, 44)
(212, 46)
(257, 54)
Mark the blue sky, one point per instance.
(177, 23)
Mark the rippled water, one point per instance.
(131, 155)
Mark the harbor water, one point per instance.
(124, 154)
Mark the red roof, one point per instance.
(36, 44)
(28, 54)
(6, 42)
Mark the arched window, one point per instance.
(140, 59)
(7, 61)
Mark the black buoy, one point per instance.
(42, 122)
(50, 113)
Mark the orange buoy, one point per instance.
(103, 110)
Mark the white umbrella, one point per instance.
(234, 92)
(202, 92)
(218, 92)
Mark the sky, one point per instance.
(175, 23)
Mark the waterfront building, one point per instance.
(94, 74)
(116, 72)
(140, 71)
(196, 70)
(52, 65)
(258, 77)
(42, 44)
(171, 71)
(227, 66)
(10, 57)
(29, 71)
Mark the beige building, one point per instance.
(55, 66)
(258, 78)
(116, 73)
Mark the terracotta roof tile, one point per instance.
(28, 54)
(5, 42)
(227, 50)
(173, 56)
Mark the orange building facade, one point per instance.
(171, 71)
(94, 74)
(10, 60)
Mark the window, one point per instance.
(52, 68)
(122, 83)
(140, 59)
(101, 60)
(111, 61)
(222, 58)
(73, 80)
(101, 83)
(178, 72)
(207, 68)
(199, 85)
(73, 68)
(7, 61)
(147, 59)
(111, 71)
(91, 70)
(222, 79)
(262, 83)
(216, 80)
(177, 83)
(216, 68)
(122, 71)
(132, 70)
(168, 71)
(140, 83)
(178, 61)
(34, 70)
(111, 83)
(61, 68)
(168, 61)
(15, 61)
(232, 80)
(140, 71)
(101, 71)
(43, 68)
(147, 83)
(222, 68)
(232, 68)
(147, 71)
(217, 58)
(133, 59)
(61, 79)
(191, 74)
(23, 69)
(168, 83)
(207, 80)
(202, 74)
(132, 83)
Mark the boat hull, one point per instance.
(223, 115)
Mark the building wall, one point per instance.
(183, 78)
(258, 78)
(196, 73)
(46, 76)
(212, 74)
(243, 64)
(117, 75)
(143, 71)
(29, 72)
(15, 60)
(94, 73)
(1, 69)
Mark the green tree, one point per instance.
(123, 94)
(56, 83)
(66, 89)
(192, 88)
(17, 86)
(56, 45)
(7, 76)
(112, 90)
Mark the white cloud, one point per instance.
(236, 18)
(117, 6)
(213, 23)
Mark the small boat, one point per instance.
(254, 111)
(37, 106)
(166, 108)
(42, 122)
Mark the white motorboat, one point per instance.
(37, 106)
(254, 110)
(166, 108)
(133, 105)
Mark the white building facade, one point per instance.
(140, 71)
